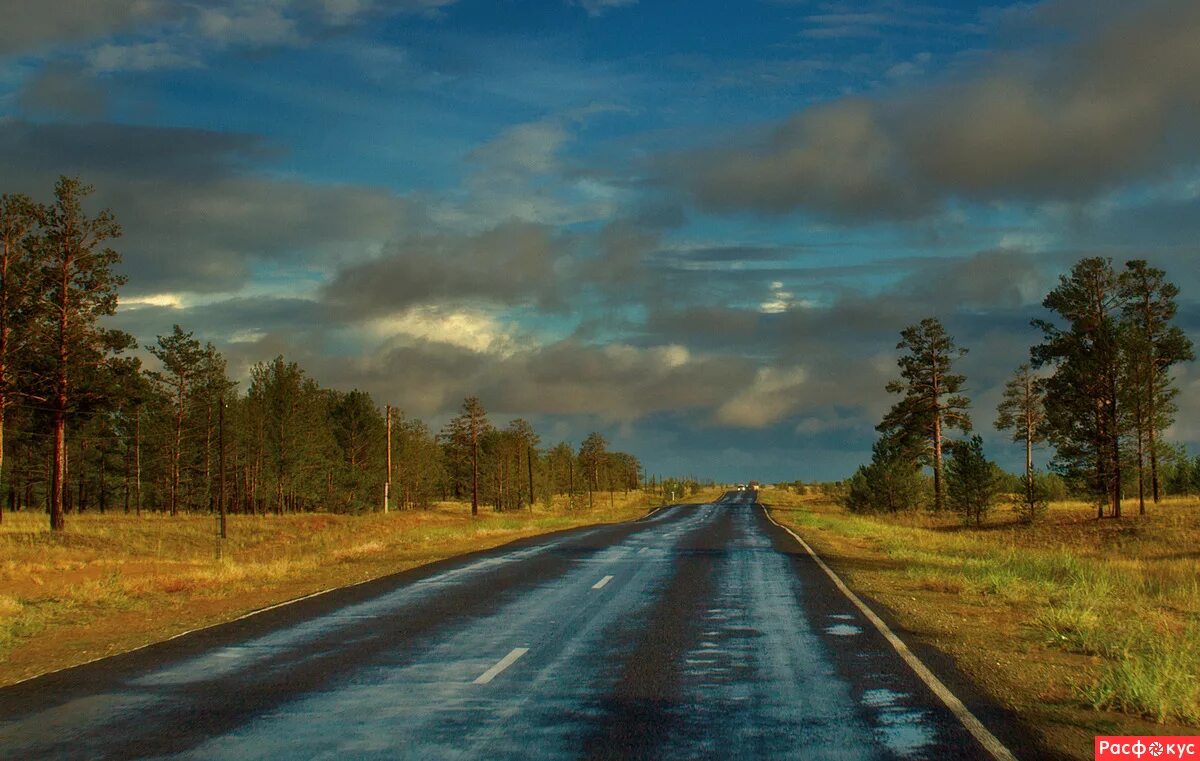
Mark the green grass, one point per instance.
(1127, 593)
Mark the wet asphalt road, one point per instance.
(702, 631)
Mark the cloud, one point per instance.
(1116, 103)
(196, 219)
(249, 23)
(465, 328)
(63, 90)
(513, 264)
(179, 27)
(773, 394)
(33, 25)
(142, 56)
(521, 174)
(600, 7)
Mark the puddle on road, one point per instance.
(902, 729)
(882, 697)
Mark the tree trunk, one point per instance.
(1115, 443)
(937, 463)
(221, 462)
(208, 495)
(1152, 443)
(175, 453)
(137, 462)
(474, 472)
(57, 522)
(529, 466)
(58, 450)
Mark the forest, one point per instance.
(85, 426)
(1098, 390)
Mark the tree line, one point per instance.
(1098, 389)
(83, 425)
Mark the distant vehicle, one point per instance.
(754, 485)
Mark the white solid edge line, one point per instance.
(652, 512)
(502, 664)
(973, 725)
(600, 584)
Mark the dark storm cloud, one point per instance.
(514, 263)
(31, 25)
(196, 218)
(63, 90)
(1119, 102)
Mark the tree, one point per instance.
(78, 286)
(465, 433)
(890, 483)
(1152, 345)
(181, 357)
(972, 481)
(18, 219)
(932, 403)
(420, 460)
(1083, 395)
(525, 439)
(591, 456)
(560, 462)
(359, 431)
(296, 436)
(1022, 411)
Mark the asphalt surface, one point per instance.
(702, 631)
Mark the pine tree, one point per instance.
(932, 404)
(1083, 410)
(18, 220)
(591, 455)
(972, 481)
(1022, 411)
(78, 287)
(1153, 345)
(181, 357)
(465, 433)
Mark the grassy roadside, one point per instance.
(1082, 627)
(112, 583)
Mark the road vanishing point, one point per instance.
(700, 631)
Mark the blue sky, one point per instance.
(695, 226)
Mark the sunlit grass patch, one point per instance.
(1124, 595)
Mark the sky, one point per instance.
(697, 227)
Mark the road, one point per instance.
(702, 631)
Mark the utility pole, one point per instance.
(387, 484)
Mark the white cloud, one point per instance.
(772, 394)
(779, 300)
(170, 300)
(254, 24)
(599, 7)
(146, 56)
(465, 329)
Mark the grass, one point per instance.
(1084, 626)
(114, 582)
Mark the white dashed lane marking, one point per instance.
(503, 663)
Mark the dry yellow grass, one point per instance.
(114, 582)
(1084, 627)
